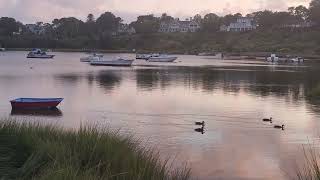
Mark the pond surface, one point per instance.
(159, 103)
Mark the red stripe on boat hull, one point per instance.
(35, 105)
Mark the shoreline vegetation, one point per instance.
(310, 169)
(293, 32)
(314, 93)
(33, 151)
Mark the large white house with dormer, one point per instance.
(179, 26)
(242, 24)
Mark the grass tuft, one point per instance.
(33, 151)
(311, 168)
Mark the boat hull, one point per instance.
(112, 63)
(162, 59)
(143, 56)
(41, 57)
(35, 103)
(54, 112)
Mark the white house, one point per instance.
(242, 24)
(179, 26)
(125, 29)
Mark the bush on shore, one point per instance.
(315, 92)
(33, 151)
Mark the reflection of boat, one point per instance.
(143, 56)
(97, 61)
(36, 112)
(35, 103)
(273, 58)
(37, 53)
(162, 58)
(90, 57)
(212, 55)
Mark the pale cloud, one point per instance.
(45, 10)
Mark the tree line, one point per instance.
(99, 32)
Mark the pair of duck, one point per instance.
(276, 126)
(201, 130)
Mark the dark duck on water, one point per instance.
(200, 130)
(200, 123)
(267, 120)
(279, 127)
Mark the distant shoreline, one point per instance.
(230, 54)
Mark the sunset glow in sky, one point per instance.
(29, 11)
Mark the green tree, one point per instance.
(146, 24)
(264, 19)
(108, 23)
(90, 18)
(68, 28)
(165, 18)
(211, 22)
(315, 11)
(8, 26)
(197, 18)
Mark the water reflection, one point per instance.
(231, 97)
(108, 79)
(55, 112)
(260, 83)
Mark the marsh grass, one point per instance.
(311, 168)
(33, 151)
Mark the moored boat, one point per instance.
(90, 57)
(37, 53)
(35, 103)
(111, 62)
(143, 56)
(273, 58)
(162, 58)
(297, 60)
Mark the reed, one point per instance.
(33, 151)
(311, 168)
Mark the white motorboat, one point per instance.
(273, 58)
(90, 57)
(297, 60)
(143, 56)
(37, 53)
(99, 61)
(162, 58)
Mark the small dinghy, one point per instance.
(90, 57)
(37, 53)
(35, 103)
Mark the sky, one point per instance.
(31, 11)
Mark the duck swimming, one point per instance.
(279, 127)
(267, 120)
(201, 130)
(200, 123)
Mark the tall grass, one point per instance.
(33, 151)
(311, 168)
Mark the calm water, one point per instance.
(159, 103)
